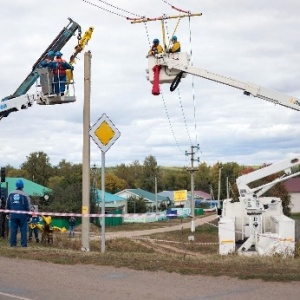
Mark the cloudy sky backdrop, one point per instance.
(250, 40)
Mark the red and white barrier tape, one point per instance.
(85, 215)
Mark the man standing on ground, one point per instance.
(33, 225)
(20, 201)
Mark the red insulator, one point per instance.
(155, 86)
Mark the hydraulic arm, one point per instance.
(58, 43)
(173, 63)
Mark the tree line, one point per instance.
(65, 180)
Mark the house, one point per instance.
(149, 198)
(293, 187)
(30, 188)
(198, 196)
(112, 201)
(114, 204)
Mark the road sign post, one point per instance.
(104, 133)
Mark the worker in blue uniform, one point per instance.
(59, 70)
(46, 79)
(47, 61)
(18, 200)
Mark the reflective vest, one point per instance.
(59, 69)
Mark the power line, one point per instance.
(193, 84)
(115, 7)
(171, 127)
(174, 7)
(183, 115)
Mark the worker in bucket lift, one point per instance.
(59, 71)
(175, 46)
(156, 48)
(48, 60)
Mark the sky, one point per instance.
(251, 40)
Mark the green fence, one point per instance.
(199, 211)
(112, 221)
(63, 222)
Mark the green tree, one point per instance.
(55, 181)
(38, 167)
(150, 171)
(113, 184)
(132, 174)
(203, 178)
(69, 171)
(12, 172)
(183, 180)
(67, 198)
(136, 205)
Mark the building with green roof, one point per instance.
(149, 198)
(30, 188)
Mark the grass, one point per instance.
(169, 251)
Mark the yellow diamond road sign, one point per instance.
(104, 133)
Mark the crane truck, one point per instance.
(254, 224)
(20, 99)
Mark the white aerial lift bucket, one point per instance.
(47, 96)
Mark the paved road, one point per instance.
(33, 280)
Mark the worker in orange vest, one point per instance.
(59, 71)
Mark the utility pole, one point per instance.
(227, 187)
(86, 154)
(192, 170)
(156, 209)
(219, 189)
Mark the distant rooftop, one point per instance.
(292, 185)
(30, 188)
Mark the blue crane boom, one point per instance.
(58, 43)
(20, 99)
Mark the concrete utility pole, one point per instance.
(219, 188)
(156, 208)
(192, 170)
(85, 234)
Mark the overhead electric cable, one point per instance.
(171, 127)
(183, 115)
(115, 7)
(193, 83)
(178, 91)
(174, 7)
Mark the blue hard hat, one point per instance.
(51, 53)
(174, 38)
(19, 184)
(156, 41)
(58, 53)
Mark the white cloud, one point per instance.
(255, 41)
